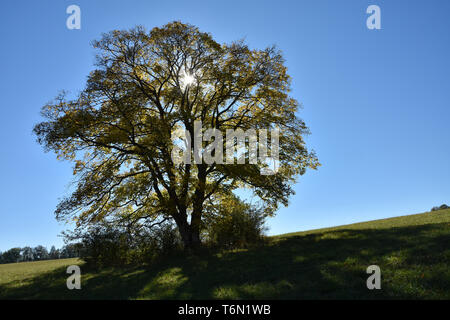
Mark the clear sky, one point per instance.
(377, 101)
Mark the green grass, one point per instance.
(413, 253)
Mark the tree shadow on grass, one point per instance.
(330, 265)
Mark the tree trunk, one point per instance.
(189, 235)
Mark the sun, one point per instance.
(187, 79)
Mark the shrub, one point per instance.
(237, 226)
(104, 245)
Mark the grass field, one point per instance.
(413, 253)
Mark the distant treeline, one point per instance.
(443, 207)
(38, 253)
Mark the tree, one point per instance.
(40, 253)
(118, 130)
(54, 253)
(442, 207)
(69, 251)
(27, 254)
(12, 255)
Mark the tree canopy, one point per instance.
(118, 130)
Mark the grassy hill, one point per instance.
(412, 251)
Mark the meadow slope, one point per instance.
(412, 251)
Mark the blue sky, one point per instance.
(377, 101)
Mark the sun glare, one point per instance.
(187, 79)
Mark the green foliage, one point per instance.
(12, 255)
(28, 254)
(442, 207)
(54, 253)
(37, 253)
(104, 245)
(118, 130)
(236, 225)
(40, 253)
